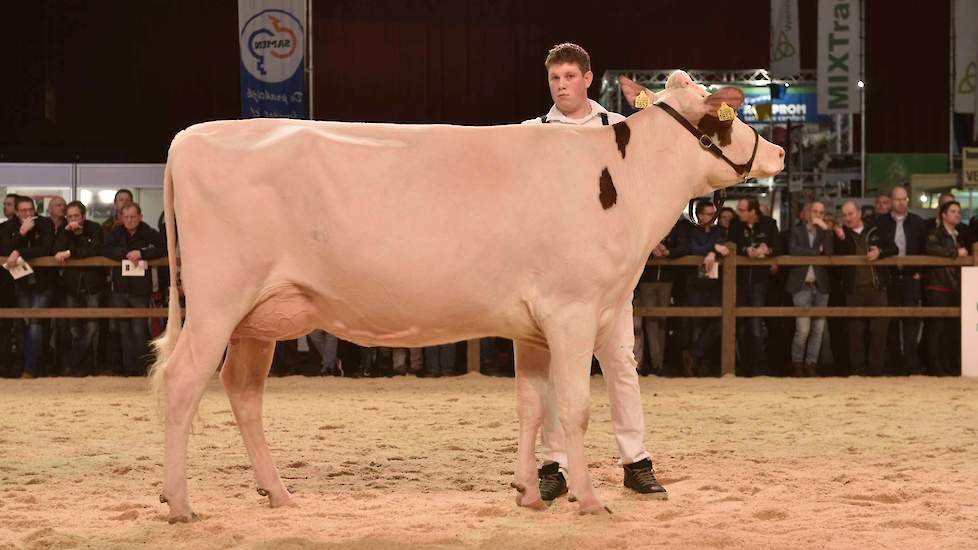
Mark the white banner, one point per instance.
(785, 47)
(271, 34)
(839, 64)
(969, 321)
(965, 55)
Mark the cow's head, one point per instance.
(703, 109)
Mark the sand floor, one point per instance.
(405, 462)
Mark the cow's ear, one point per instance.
(731, 96)
(630, 89)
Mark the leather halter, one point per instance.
(707, 143)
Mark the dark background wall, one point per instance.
(113, 80)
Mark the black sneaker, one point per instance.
(640, 478)
(552, 482)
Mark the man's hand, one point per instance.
(723, 250)
(962, 252)
(709, 261)
(62, 256)
(134, 256)
(26, 226)
(873, 254)
(12, 259)
(763, 250)
(660, 251)
(819, 222)
(839, 233)
(73, 226)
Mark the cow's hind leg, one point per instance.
(531, 387)
(244, 374)
(571, 337)
(186, 373)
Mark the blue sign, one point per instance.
(796, 104)
(273, 65)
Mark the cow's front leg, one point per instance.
(531, 388)
(244, 373)
(571, 340)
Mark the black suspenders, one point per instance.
(604, 119)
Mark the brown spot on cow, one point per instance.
(714, 127)
(622, 134)
(608, 194)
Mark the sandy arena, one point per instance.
(399, 463)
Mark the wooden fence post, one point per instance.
(728, 318)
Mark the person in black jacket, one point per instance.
(864, 286)
(135, 241)
(30, 236)
(83, 286)
(809, 286)
(755, 236)
(655, 290)
(943, 289)
(908, 232)
(703, 290)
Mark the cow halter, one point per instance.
(706, 142)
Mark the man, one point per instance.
(569, 76)
(122, 198)
(10, 206)
(908, 232)
(756, 236)
(702, 289)
(809, 286)
(30, 236)
(865, 287)
(882, 205)
(56, 212)
(7, 298)
(655, 290)
(83, 286)
(135, 241)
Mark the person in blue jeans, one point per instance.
(30, 236)
(809, 286)
(133, 240)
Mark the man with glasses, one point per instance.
(28, 236)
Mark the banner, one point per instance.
(969, 321)
(969, 166)
(839, 63)
(796, 104)
(885, 170)
(965, 55)
(272, 40)
(785, 55)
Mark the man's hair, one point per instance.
(568, 53)
(883, 194)
(700, 205)
(133, 205)
(854, 204)
(120, 191)
(77, 204)
(14, 195)
(753, 204)
(21, 199)
(901, 188)
(945, 194)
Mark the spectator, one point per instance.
(7, 299)
(81, 238)
(882, 205)
(756, 236)
(56, 211)
(944, 289)
(122, 198)
(865, 286)
(327, 345)
(135, 241)
(703, 289)
(30, 236)
(809, 286)
(655, 290)
(908, 232)
(727, 215)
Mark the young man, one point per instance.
(569, 76)
(809, 286)
(122, 198)
(756, 236)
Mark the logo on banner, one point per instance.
(784, 48)
(970, 79)
(271, 46)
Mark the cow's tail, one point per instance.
(164, 345)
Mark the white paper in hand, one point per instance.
(714, 272)
(130, 269)
(22, 269)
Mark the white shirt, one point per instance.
(900, 237)
(593, 119)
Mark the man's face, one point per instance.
(74, 215)
(706, 215)
(900, 201)
(952, 216)
(851, 216)
(817, 211)
(56, 208)
(131, 218)
(121, 200)
(745, 215)
(26, 210)
(882, 204)
(568, 86)
(8, 207)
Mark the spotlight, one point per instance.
(861, 84)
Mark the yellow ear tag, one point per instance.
(642, 100)
(726, 112)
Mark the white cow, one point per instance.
(416, 235)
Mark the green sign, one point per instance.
(884, 170)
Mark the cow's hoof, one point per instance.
(183, 518)
(282, 501)
(596, 509)
(533, 502)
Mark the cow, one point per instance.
(534, 233)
